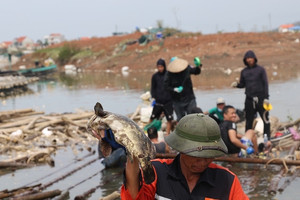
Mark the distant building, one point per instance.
(6, 44)
(285, 28)
(23, 42)
(84, 38)
(54, 38)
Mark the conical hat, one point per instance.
(177, 65)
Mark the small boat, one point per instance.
(283, 141)
(38, 71)
(9, 73)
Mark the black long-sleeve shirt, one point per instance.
(158, 91)
(254, 80)
(183, 79)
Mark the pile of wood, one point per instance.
(14, 84)
(29, 137)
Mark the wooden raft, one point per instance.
(34, 136)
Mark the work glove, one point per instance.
(267, 105)
(234, 84)
(197, 62)
(250, 150)
(178, 89)
(153, 103)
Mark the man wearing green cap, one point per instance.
(191, 175)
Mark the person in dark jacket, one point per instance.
(192, 174)
(178, 82)
(254, 79)
(163, 101)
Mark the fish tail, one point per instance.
(148, 174)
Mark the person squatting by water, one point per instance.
(178, 82)
(254, 79)
(192, 174)
(217, 112)
(237, 144)
(118, 156)
(162, 99)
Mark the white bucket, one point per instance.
(146, 113)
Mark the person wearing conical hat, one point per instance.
(192, 174)
(178, 82)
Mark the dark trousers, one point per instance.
(183, 108)
(251, 108)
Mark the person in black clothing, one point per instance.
(178, 82)
(163, 101)
(161, 147)
(237, 144)
(254, 79)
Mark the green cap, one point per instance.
(197, 135)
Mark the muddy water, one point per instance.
(120, 94)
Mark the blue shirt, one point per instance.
(109, 138)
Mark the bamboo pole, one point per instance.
(15, 192)
(31, 124)
(27, 158)
(82, 181)
(92, 190)
(87, 193)
(14, 165)
(16, 112)
(296, 122)
(242, 160)
(288, 181)
(63, 196)
(111, 196)
(67, 174)
(60, 169)
(41, 195)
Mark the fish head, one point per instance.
(96, 127)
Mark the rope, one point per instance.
(265, 118)
(294, 169)
(283, 162)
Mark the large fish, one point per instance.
(126, 133)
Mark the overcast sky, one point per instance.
(78, 18)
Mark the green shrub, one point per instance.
(66, 53)
(83, 54)
(48, 52)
